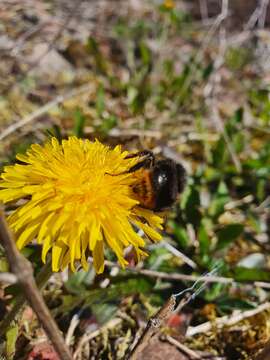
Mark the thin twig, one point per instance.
(173, 276)
(227, 320)
(240, 202)
(89, 336)
(72, 326)
(263, 5)
(134, 132)
(264, 204)
(22, 268)
(152, 327)
(44, 109)
(183, 348)
(184, 277)
(179, 254)
(258, 16)
(8, 278)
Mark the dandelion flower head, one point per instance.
(169, 4)
(72, 205)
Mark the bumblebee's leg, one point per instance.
(143, 153)
(147, 161)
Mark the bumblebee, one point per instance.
(159, 181)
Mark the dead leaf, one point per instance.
(43, 351)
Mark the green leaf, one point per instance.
(181, 235)
(261, 189)
(227, 304)
(168, 67)
(94, 50)
(222, 189)
(13, 290)
(76, 282)
(79, 122)
(207, 71)
(11, 338)
(69, 302)
(191, 205)
(145, 54)
(104, 311)
(122, 286)
(155, 260)
(100, 103)
(236, 58)
(214, 291)
(228, 234)
(238, 116)
(130, 285)
(204, 239)
(220, 155)
(217, 206)
(3, 264)
(108, 123)
(55, 131)
(219, 201)
(246, 274)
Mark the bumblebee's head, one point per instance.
(181, 177)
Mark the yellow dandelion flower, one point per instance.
(73, 206)
(169, 4)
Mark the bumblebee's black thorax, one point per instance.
(168, 181)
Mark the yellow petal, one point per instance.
(27, 235)
(7, 195)
(98, 256)
(47, 244)
(58, 251)
(45, 227)
(154, 235)
(66, 260)
(94, 233)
